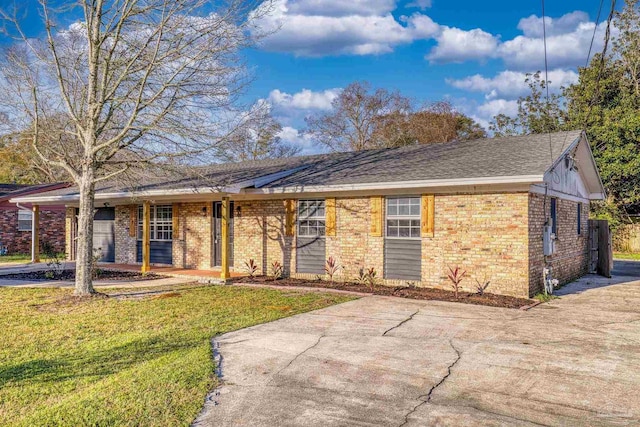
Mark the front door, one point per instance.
(217, 234)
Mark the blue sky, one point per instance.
(472, 53)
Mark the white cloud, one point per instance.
(568, 40)
(511, 84)
(532, 25)
(315, 28)
(294, 137)
(305, 99)
(340, 7)
(497, 106)
(420, 4)
(456, 45)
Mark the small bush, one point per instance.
(367, 277)
(251, 267)
(277, 270)
(481, 287)
(331, 267)
(455, 276)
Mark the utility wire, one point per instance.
(593, 36)
(607, 36)
(546, 76)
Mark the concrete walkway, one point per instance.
(381, 361)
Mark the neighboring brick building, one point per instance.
(408, 212)
(15, 223)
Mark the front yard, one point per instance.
(123, 362)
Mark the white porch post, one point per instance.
(35, 234)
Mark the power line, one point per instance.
(593, 36)
(607, 36)
(546, 75)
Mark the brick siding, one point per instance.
(52, 231)
(571, 257)
(495, 237)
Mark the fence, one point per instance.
(627, 238)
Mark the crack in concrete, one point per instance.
(401, 323)
(296, 358)
(426, 398)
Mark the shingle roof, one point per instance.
(495, 157)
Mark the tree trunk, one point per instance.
(84, 257)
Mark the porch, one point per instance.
(186, 273)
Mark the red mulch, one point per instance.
(411, 292)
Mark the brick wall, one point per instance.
(484, 234)
(571, 257)
(124, 242)
(488, 235)
(52, 231)
(260, 235)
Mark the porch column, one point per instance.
(146, 237)
(35, 234)
(224, 234)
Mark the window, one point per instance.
(403, 217)
(579, 218)
(554, 216)
(161, 223)
(24, 220)
(311, 219)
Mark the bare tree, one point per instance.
(352, 123)
(136, 81)
(257, 137)
(362, 119)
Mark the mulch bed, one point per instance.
(129, 276)
(411, 292)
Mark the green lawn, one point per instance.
(109, 362)
(15, 258)
(627, 255)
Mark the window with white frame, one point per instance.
(25, 219)
(311, 218)
(403, 218)
(161, 223)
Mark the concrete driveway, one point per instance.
(393, 362)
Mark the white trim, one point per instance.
(398, 185)
(540, 189)
(378, 186)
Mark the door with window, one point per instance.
(161, 235)
(310, 241)
(217, 234)
(402, 243)
(104, 242)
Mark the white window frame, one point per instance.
(162, 226)
(398, 217)
(311, 217)
(30, 219)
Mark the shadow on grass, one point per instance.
(100, 363)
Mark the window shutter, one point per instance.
(290, 211)
(376, 216)
(133, 221)
(428, 207)
(175, 216)
(330, 216)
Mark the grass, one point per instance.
(627, 255)
(15, 258)
(107, 362)
(542, 297)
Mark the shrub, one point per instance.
(331, 267)
(481, 287)
(456, 275)
(97, 254)
(277, 270)
(367, 277)
(251, 267)
(53, 260)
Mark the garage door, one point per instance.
(104, 234)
